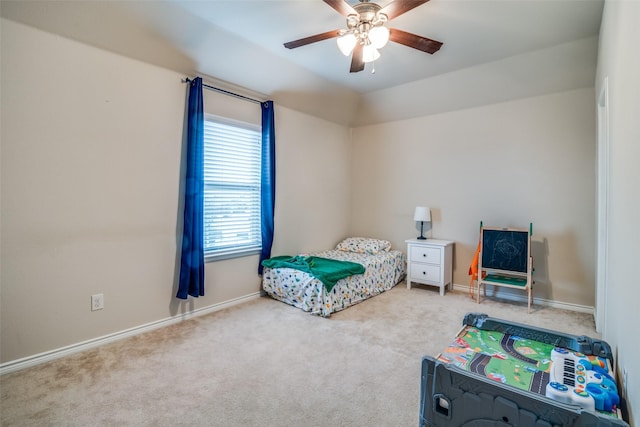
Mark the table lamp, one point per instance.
(423, 215)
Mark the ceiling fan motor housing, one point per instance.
(367, 13)
(367, 17)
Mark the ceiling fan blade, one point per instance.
(342, 7)
(312, 39)
(357, 64)
(398, 7)
(417, 42)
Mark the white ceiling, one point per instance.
(473, 32)
(241, 41)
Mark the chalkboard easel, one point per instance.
(505, 259)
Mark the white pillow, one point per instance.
(363, 245)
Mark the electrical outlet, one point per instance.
(97, 302)
(625, 381)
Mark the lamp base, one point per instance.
(421, 236)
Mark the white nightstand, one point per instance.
(430, 262)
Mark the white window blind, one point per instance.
(232, 164)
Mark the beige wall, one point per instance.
(619, 63)
(89, 190)
(507, 164)
(91, 148)
(313, 183)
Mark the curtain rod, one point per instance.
(226, 92)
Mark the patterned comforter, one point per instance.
(382, 272)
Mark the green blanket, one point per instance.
(328, 271)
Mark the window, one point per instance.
(232, 164)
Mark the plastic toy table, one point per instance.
(504, 373)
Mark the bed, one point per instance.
(383, 269)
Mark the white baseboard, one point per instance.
(36, 359)
(26, 362)
(522, 297)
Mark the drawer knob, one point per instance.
(424, 272)
(424, 255)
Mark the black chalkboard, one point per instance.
(504, 249)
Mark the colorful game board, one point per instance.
(558, 373)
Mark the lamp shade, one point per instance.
(346, 43)
(422, 214)
(370, 53)
(379, 36)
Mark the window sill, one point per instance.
(230, 253)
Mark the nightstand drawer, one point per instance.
(422, 272)
(424, 254)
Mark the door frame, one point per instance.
(602, 207)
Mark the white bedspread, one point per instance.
(382, 272)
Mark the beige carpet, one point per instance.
(263, 363)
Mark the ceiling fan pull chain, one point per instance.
(373, 67)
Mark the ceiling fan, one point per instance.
(366, 32)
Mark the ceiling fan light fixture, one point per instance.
(346, 43)
(379, 36)
(366, 30)
(369, 53)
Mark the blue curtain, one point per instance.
(192, 260)
(268, 180)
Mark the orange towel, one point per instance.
(473, 268)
